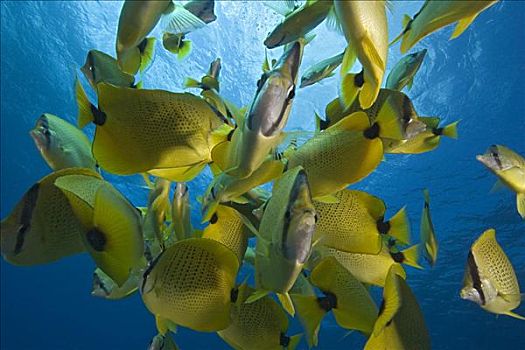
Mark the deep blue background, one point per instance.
(477, 78)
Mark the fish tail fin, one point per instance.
(400, 226)
(294, 341)
(85, 111)
(451, 130)
(139, 85)
(287, 303)
(426, 196)
(192, 83)
(147, 54)
(310, 314)
(391, 299)
(512, 314)
(411, 256)
(184, 49)
(520, 202)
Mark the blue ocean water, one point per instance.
(477, 78)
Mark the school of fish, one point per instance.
(313, 245)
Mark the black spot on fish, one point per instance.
(30, 199)
(495, 154)
(391, 242)
(142, 45)
(398, 257)
(426, 205)
(214, 218)
(230, 135)
(407, 109)
(324, 124)
(437, 131)
(91, 66)
(474, 274)
(234, 294)
(284, 340)
(96, 239)
(305, 273)
(99, 117)
(359, 79)
(328, 301)
(372, 132)
(382, 226)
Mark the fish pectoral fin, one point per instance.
(512, 314)
(220, 155)
(164, 325)
(181, 20)
(258, 294)
(287, 303)
(520, 203)
(462, 25)
(310, 315)
(498, 186)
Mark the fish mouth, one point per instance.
(40, 139)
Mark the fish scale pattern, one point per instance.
(348, 225)
(494, 265)
(336, 158)
(194, 281)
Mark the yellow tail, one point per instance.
(85, 112)
(451, 130)
(400, 227)
(294, 341)
(310, 315)
(411, 256)
(147, 52)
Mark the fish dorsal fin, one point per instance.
(462, 25)
(181, 20)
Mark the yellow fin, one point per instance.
(520, 202)
(287, 303)
(348, 61)
(294, 341)
(357, 121)
(146, 56)
(391, 301)
(400, 226)
(512, 314)
(349, 89)
(451, 130)
(129, 60)
(121, 246)
(411, 256)
(220, 155)
(179, 174)
(389, 124)
(162, 327)
(192, 83)
(258, 294)
(462, 25)
(219, 135)
(371, 52)
(185, 49)
(330, 199)
(147, 180)
(310, 315)
(85, 114)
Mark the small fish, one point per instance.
(153, 223)
(162, 342)
(190, 284)
(400, 324)
(166, 134)
(285, 237)
(424, 141)
(113, 235)
(226, 188)
(349, 301)
(509, 167)
(230, 228)
(105, 287)
(365, 27)
(355, 222)
(428, 236)
(339, 156)
(368, 268)
(42, 227)
(435, 15)
(261, 130)
(298, 23)
(181, 212)
(490, 280)
(405, 70)
(101, 67)
(137, 19)
(321, 70)
(261, 325)
(61, 144)
(176, 42)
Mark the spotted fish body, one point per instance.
(190, 284)
(490, 280)
(42, 228)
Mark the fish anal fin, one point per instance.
(287, 303)
(512, 314)
(258, 294)
(462, 25)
